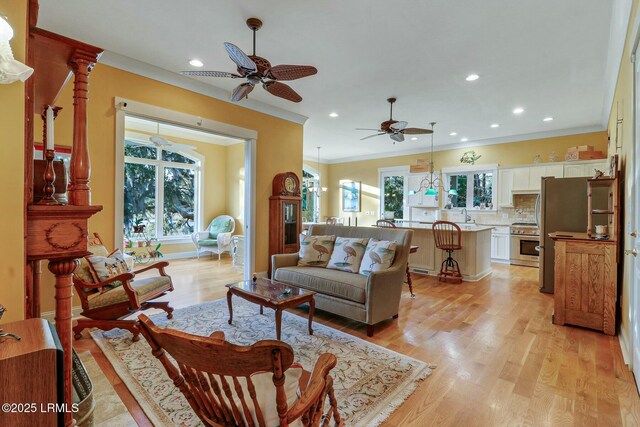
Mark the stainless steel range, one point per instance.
(525, 244)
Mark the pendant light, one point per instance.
(433, 183)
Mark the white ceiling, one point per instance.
(547, 56)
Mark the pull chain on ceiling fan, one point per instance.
(258, 70)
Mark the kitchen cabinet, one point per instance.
(500, 245)
(417, 186)
(505, 187)
(572, 170)
(520, 179)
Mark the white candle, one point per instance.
(50, 126)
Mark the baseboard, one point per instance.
(500, 261)
(624, 346)
(180, 255)
(51, 315)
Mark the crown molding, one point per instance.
(472, 144)
(140, 68)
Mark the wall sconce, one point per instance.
(10, 69)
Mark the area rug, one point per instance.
(370, 381)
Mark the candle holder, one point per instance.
(49, 178)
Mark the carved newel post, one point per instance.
(80, 170)
(63, 269)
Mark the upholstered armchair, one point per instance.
(217, 237)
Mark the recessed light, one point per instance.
(518, 110)
(464, 139)
(495, 125)
(547, 119)
(472, 77)
(453, 134)
(415, 138)
(196, 63)
(334, 115)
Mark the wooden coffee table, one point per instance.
(272, 294)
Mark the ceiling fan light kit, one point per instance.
(257, 70)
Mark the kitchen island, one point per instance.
(474, 258)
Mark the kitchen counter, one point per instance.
(474, 258)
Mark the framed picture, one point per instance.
(613, 165)
(351, 196)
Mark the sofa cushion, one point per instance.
(378, 256)
(142, 288)
(336, 283)
(315, 251)
(208, 242)
(347, 254)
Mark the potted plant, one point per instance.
(155, 253)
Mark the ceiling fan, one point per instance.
(161, 142)
(258, 70)
(394, 128)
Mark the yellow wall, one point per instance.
(623, 100)
(279, 144)
(366, 171)
(12, 167)
(234, 200)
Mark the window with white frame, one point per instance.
(160, 191)
(310, 196)
(393, 187)
(471, 189)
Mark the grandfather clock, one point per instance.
(285, 215)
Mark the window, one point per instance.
(310, 197)
(160, 191)
(474, 189)
(393, 196)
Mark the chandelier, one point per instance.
(429, 183)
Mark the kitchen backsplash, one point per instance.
(524, 210)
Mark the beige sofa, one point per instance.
(369, 299)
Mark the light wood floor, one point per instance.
(500, 359)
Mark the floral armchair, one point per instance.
(217, 237)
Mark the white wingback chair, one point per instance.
(217, 237)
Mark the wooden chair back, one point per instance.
(447, 235)
(209, 368)
(385, 223)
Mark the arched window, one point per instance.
(160, 190)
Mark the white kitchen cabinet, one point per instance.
(500, 244)
(505, 186)
(556, 171)
(417, 186)
(521, 179)
(572, 171)
(535, 176)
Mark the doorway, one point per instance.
(175, 173)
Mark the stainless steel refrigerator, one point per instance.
(562, 207)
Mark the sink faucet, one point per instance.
(467, 217)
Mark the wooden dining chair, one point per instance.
(234, 385)
(448, 237)
(385, 223)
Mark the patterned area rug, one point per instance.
(370, 381)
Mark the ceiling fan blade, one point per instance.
(371, 136)
(416, 131)
(240, 58)
(291, 72)
(210, 74)
(282, 90)
(399, 125)
(375, 130)
(241, 91)
(398, 137)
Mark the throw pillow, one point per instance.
(84, 271)
(104, 268)
(219, 226)
(347, 254)
(378, 256)
(315, 251)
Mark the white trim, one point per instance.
(159, 74)
(468, 169)
(394, 171)
(624, 346)
(472, 144)
(250, 149)
(619, 25)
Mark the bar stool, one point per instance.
(447, 236)
(385, 223)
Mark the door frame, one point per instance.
(248, 136)
(393, 171)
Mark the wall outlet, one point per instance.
(505, 216)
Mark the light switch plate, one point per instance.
(505, 216)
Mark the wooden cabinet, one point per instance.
(500, 245)
(285, 215)
(505, 188)
(585, 283)
(32, 374)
